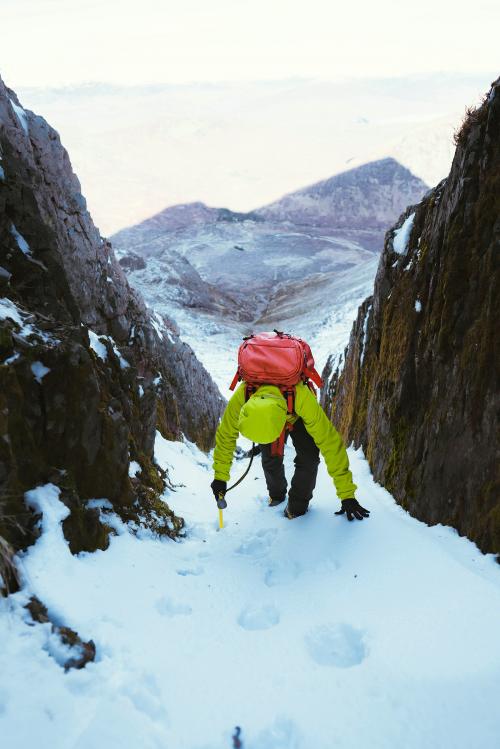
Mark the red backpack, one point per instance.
(276, 359)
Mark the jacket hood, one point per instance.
(263, 417)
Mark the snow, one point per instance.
(402, 235)
(21, 115)
(25, 248)
(97, 346)
(39, 370)
(123, 362)
(418, 306)
(307, 633)
(21, 242)
(157, 324)
(12, 358)
(9, 310)
(365, 333)
(134, 468)
(99, 504)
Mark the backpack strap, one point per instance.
(235, 380)
(249, 390)
(278, 446)
(311, 374)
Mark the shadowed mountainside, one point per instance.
(231, 264)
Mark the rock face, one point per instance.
(419, 387)
(367, 197)
(87, 373)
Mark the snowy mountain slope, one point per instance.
(138, 149)
(239, 258)
(307, 633)
(365, 197)
(236, 266)
(320, 309)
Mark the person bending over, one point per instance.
(261, 419)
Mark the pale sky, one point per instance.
(60, 42)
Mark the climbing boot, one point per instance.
(293, 515)
(275, 502)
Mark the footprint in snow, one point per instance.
(146, 697)
(282, 734)
(259, 617)
(167, 607)
(257, 544)
(281, 573)
(330, 564)
(185, 571)
(337, 645)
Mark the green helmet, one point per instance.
(263, 417)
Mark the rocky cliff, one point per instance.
(87, 372)
(418, 388)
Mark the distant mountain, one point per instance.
(367, 197)
(221, 272)
(139, 148)
(328, 227)
(178, 217)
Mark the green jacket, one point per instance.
(315, 421)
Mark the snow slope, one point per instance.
(307, 633)
(299, 309)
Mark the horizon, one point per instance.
(138, 149)
(201, 203)
(456, 74)
(171, 104)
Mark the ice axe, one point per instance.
(221, 504)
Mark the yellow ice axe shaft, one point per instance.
(221, 504)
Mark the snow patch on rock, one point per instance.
(21, 115)
(39, 370)
(402, 235)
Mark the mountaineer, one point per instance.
(277, 399)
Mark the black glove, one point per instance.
(219, 489)
(353, 509)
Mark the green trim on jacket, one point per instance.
(315, 421)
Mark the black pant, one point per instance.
(306, 469)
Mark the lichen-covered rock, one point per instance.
(419, 389)
(87, 372)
